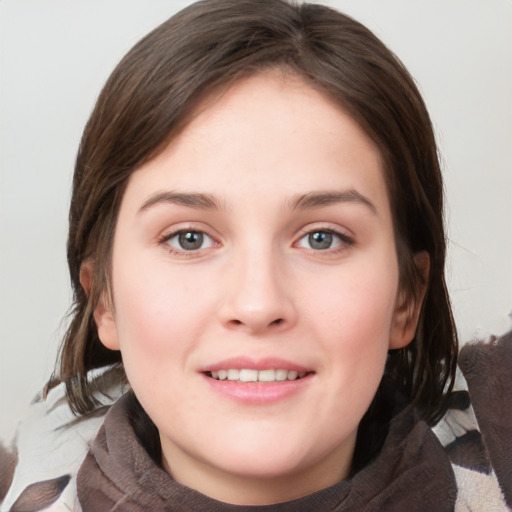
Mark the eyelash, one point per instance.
(344, 241)
(164, 240)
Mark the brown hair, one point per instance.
(147, 100)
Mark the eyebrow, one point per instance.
(192, 200)
(302, 202)
(326, 198)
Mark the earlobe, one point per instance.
(407, 312)
(106, 324)
(103, 312)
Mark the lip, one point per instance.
(257, 393)
(267, 363)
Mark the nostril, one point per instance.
(235, 322)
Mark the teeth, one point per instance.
(281, 374)
(292, 375)
(248, 375)
(233, 374)
(267, 375)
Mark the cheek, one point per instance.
(159, 322)
(354, 320)
(360, 299)
(154, 308)
(163, 314)
(356, 336)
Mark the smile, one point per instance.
(249, 386)
(251, 375)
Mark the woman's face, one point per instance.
(257, 247)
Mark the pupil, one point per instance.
(320, 240)
(190, 240)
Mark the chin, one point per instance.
(269, 467)
(264, 458)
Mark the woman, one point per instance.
(257, 252)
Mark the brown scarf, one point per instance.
(412, 472)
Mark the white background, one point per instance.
(56, 54)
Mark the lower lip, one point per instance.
(258, 393)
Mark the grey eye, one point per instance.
(323, 239)
(320, 240)
(190, 241)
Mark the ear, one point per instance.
(407, 312)
(103, 313)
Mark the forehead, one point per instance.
(266, 133)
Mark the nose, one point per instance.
(258, 295)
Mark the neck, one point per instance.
(260, 489)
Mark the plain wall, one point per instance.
(56, 54)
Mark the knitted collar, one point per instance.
(411, 472)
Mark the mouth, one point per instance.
(257, 381)
(244, 375)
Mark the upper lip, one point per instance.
(267, 363)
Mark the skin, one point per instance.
(258, 287)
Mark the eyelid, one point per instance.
(329, 227)
(346, 238)
(170, 233)
(182, 231)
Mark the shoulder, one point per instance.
(48, 449)
(477, 428)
